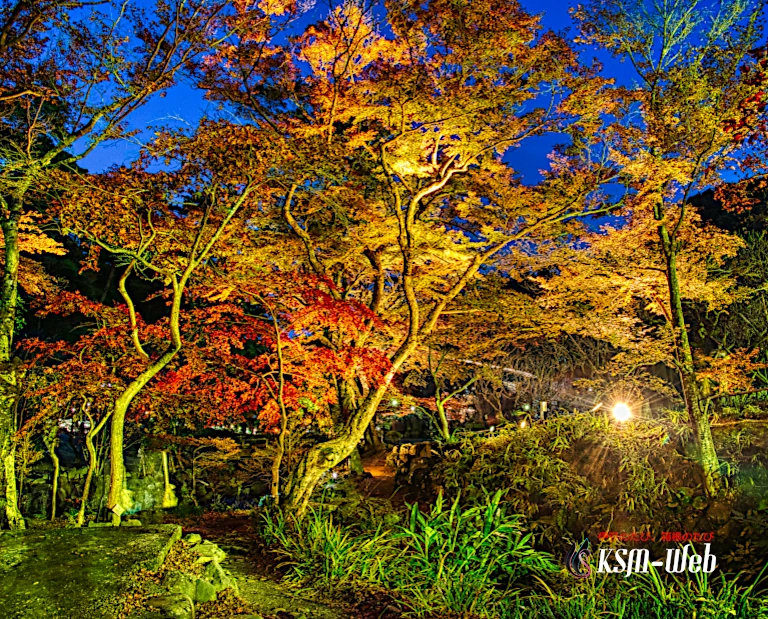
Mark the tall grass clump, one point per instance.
(648, 596)
(329, 554)
(450, 559)
(464, 560)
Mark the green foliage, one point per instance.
(449, 559)
(572, 473)
(478, 562)
(465, 560)
(320, 550)
(703, 596)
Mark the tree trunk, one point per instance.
(445, 430)
(375, 440)
(356, 462)
(9, 369)
(699, 419)
(118, 499)
(276, 464)
(51, 444)
(324, 456)
(93, 431)
(169, 498)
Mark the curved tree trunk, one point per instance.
(324, 456)
(119, 500)
(445, 430)
(93, 432)
(51, 444)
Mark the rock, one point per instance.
(208, 551)
(173, 606)
(193, 538)
(220, 580)
(179, 582)
(204, 591)
(83, 573)
(131, 523)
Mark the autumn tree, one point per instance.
(73, 72)
(688, 60)
(166, 228)
(395, 190)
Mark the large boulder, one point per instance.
(204, 591)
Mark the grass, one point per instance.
(478, 561)
(466, 561)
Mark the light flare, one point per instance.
(622, 412)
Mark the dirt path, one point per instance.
(271, 598)
(381, 484)
(255, 572)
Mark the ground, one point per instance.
(64, 573)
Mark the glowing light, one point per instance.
(395, 403)
(335, 475)
(523, 424)
(492, 428)
(622, 412)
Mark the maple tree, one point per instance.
(396, 194)
(162, 227)
(73, 72)
(672, 142)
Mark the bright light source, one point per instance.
(492, 428)
(413, 408)
(395, 403)
(522, 423)
(622, 412)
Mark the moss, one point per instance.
(64, 573)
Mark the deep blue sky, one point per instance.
(184, 104)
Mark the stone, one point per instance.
(193, 538)
(179, 582)
(220, 580)
(174, 606)
(204, 591)
(131, 523)
(208, 551)
(79, 572)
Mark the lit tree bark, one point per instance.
(93, 432)
(9, 367)
(691, 389)
(197, 253)
(50, 442)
